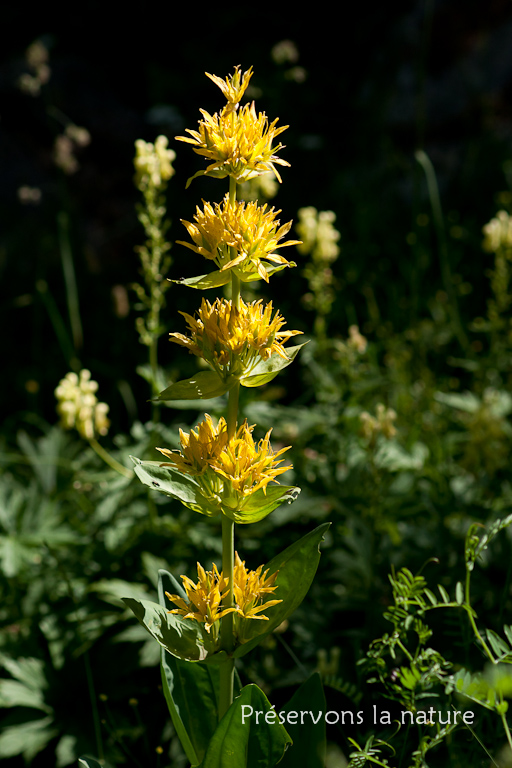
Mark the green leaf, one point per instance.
(508, 633)
(27, 739)
(266, 370)
(297, 567)
(459, 593)
(271, 269)
(88, 762)
(191, 692)
(260, 504)
(218, 278)
(203, 385)
(308, 734)
(181, 637)
(27, 670)
(433, 599)
(191, 689)
(171, 482)
(203, 282)
(444, 594)
(498, 645)
(241, 742)
(15, 694)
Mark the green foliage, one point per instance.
(240, 742)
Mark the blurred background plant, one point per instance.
(75, 534)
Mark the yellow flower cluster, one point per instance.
(234, 340)
(227, 469)
(78, 406)
(153, 162)
(250, 589)
(251, 230)
(238, 142)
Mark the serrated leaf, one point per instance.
(296, 567)
(266, 370)
(27, 739)
(204, 385)
(16, 694)
(27, 670)
(240, 742)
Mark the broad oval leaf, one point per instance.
(171, 482)
(203, 282)
(203, 385)
(266, 370)
(241, 742)
(297, 567)
(309, 734)
(219, 278)
(181, 637)
(260, 504)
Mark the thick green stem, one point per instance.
(227, 669)
(227, 639)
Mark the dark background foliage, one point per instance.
(379, 82)
(371, 85)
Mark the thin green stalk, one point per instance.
(153, 362)
(472, 620)
(507, 729)
(70, 280)
(108, 459)
(437, 214)
(59, 326)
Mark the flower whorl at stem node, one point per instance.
(228, 470)
(250, 588)
(239, 142)
(250, 229)
(234, 340)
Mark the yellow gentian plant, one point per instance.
(221, 470)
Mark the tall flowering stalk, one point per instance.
(153, 169)
(220, 469)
